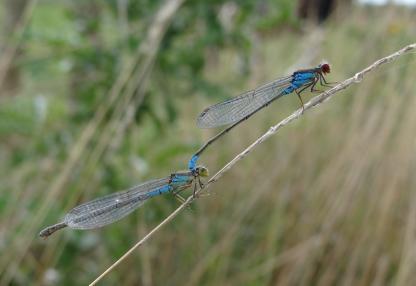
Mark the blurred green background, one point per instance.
(97, 96)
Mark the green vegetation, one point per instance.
(328, 201)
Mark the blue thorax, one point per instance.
(176, 181)
(300, 79)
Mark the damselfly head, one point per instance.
(325, 68)
(202, 171)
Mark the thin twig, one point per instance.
(358, 77)
(10, 49)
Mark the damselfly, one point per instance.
(110, 208)
(237, 109)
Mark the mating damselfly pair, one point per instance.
(113, 207)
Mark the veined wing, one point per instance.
(110, 208)
(234, 109)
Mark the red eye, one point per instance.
(325, 68)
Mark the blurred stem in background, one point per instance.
(13, 12)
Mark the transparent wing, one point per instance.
(234, 109)
(110, 208)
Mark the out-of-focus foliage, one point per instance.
(86, 42)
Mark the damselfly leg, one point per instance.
(301, 101)
(323, 82)
(194, 191)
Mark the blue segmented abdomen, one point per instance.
(163, 190)
(192, 163)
